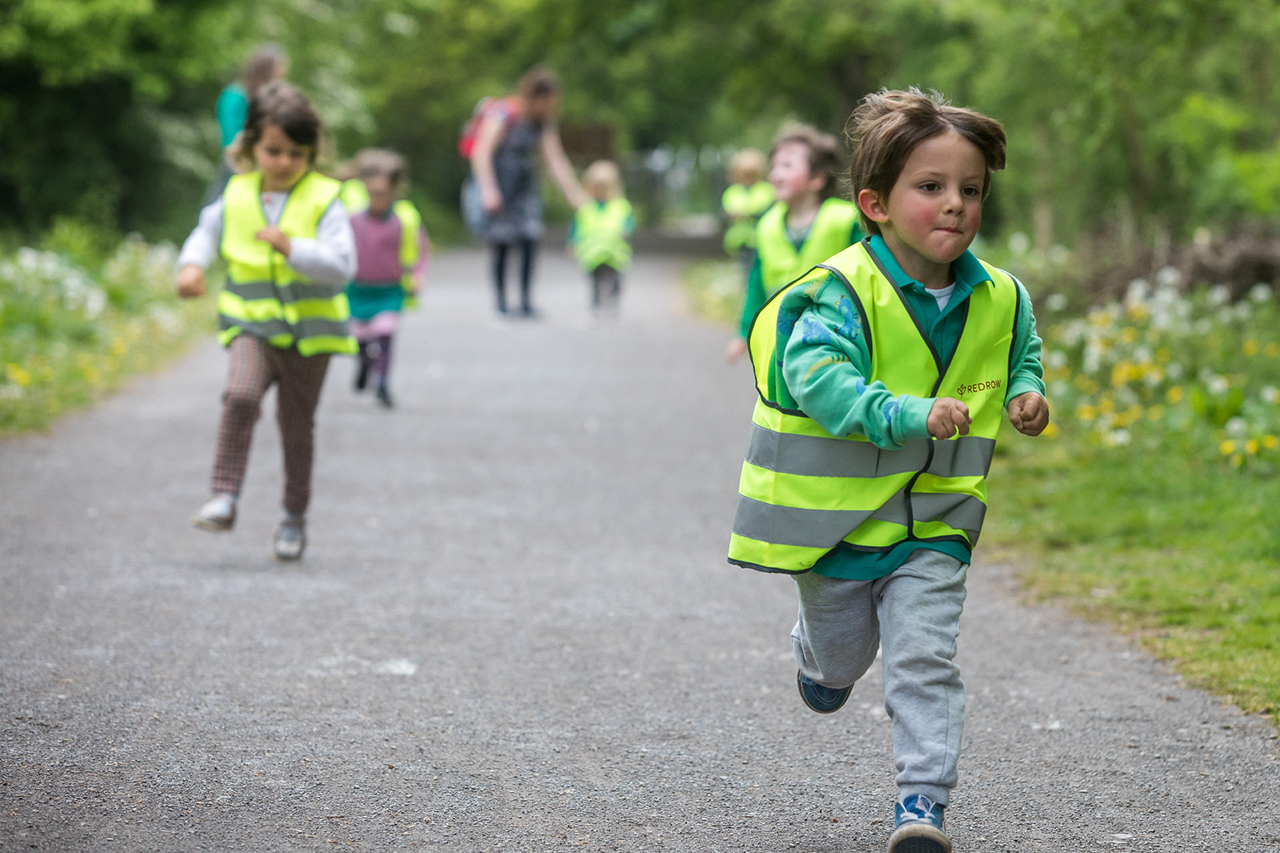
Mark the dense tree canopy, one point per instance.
(1140, 118)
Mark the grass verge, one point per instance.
(71, 332)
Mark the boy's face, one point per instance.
(935, 207)
(790, 173)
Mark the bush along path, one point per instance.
(515, 630)
(71, 332)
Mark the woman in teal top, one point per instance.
(268, 62)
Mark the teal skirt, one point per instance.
(370, 299)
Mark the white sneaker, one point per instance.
(291, 538)
(217, 514)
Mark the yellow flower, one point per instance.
(1128, 335)
(1270, 442)
(1251, 347)
(1237, 461)
(1086, 412)
(1164, 354)
(1050, 431)
(1251, 447)
(91, 374)
(1155, 412)
(118, 346)
(1227, 447)
(17, 374)
(1271, 350)
(1107, 405)
(1174, 394)
(1122, 373)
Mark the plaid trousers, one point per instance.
(255, 366)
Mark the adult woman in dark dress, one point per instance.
(510, 136)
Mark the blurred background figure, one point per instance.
(268, 62)
(510, 134)
(392, 252)
(601, 234)
(806, 225)
(744, 202)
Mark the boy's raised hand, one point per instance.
(190, 281)
(277, 238)
(1029, 413)
(948, 418)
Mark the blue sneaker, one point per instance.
(824, 700)
(917, 827)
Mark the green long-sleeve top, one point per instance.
(826, 361)
(757, 295)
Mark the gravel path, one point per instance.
(515, 631)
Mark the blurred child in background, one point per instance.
(269, 62)
(289, 250)
(807, 224)
(601, 231)
(744, 202)
(392, 251)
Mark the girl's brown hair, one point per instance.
(824, 153)
(280, 104)
(889, 124)
(382, 163)
(266, 64)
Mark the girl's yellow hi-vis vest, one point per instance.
(410, 248)
(803, 490)
(264, 296)
(780, 262)
(600, 234)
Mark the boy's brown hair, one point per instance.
(824, 153)
(382, 163)
(889, 124)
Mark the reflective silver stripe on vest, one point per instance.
(818, 456)
(814, 528)
(250, 290)
(789, 525)
(310, 327)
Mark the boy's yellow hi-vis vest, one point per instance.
(780, 263)
(745, 205)
(600, 234)
(803, 490)
(264, 296)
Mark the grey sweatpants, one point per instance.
(913, 615)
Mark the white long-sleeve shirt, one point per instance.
(328, 258)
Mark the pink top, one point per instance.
(378, 248)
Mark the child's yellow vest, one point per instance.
(780, 262)
(600, 234)
(746, 205)
(803, 490)
(264, 296)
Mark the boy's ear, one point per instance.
(872, 207)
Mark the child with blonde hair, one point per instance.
(601, 233)
(289, 251)
(392, 251)
(883, 376)
(744, 201)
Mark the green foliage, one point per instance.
(715, 290)
(67, 335)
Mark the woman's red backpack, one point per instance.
(485, 107)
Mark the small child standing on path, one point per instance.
(289, 250)
(807, 224)
(883, 375)
(392, 251)
(601, 231)
(744, 201)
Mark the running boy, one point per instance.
(807, 224)
(882, 376)
(289, 250)
(601, 232)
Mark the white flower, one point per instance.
(1059, 254)
(1056, 359)
(1219, 385)
(1019, 243)
(1117, 438)
(1237, 426)
(1169, 277)
(1142, 355)
(1269, 394)
(1260, 292)
(1139, 290)
(1056, 302)
(1174, 370)
(1218, 295)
